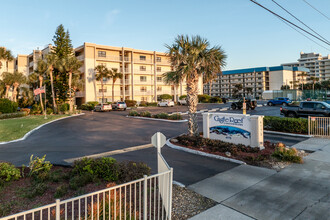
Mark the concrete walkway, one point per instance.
(299, 191)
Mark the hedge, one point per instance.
(7, 106)
(162, 115)
(14, 115)
(291, 125)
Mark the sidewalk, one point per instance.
(300, 191)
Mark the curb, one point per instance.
(157, 119)
(288, 134)
(168, 143)
(40, 126)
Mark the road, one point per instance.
(100, 132)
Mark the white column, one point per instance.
(155, 78)
(123, 70)
(132, 76)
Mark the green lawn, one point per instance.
(12, 129)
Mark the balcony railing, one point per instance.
(80, 94)
(143, 93)
(113, 58)
(80, 57)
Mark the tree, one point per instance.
(7, 79)
(285, 87)
(249, 90)
(6, 55)
(238, 87)
(302, 75)
(18, 79)
(71, 66)
(192, 58)
(314, 80)
(52, 63)
(114, 74)
(102, 73)
(41, 71)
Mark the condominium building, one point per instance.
(254, 80)
(318, 65)
(142, 73)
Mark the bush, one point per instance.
(130, 103)
(204, 98)
(291, 125)
(152, 103)
(13, 115)
(35, 190)
(165, 96)
(215, 100)
(8, 172)
(27, 110)
(87, 107)
(39, 168)
(143, 103)
(61, 191)
(183, 97)
(49, 111)
(78, 181)
(103, 168)
(7, 106)
(175, 117)
(133, 113)
(64, 107)
(287, 154)
(162, 115)
(93, 103)
(36, 109)
(145, 114)
(129, 171)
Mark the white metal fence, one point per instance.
(319, 126)
(146, 198)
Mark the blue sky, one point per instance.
(250, 36)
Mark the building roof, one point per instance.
(262, 69)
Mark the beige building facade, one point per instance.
(255, 81)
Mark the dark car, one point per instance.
(250, 104)
(308, 108)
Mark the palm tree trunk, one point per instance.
(192, 101)
(113, 90)
(40, 95)
(70, 81)
(102, 90)
(15, 93)
(7, 91)
(52, 87)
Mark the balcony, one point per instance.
(163, 62)
(80, 94)
(113, 58)
(148, 82)
(80, 57)
(109, 93)
(142, 93)
(147, 61)
(31, 64)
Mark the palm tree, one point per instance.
(302, 75)
(6, 55)
(102, 73)
(314, 80)
(249, 90)
(238, 86)
(52, 62)
(191, 59)
(7, 79)
(18, 79)
(70, 65)
(41, 71)
(2, 88)
(114, 74)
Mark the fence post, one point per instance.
(170, 195)
(309, 132)
(58, 209)
(145, 182)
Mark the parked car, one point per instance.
(279, 101)
(250, 104)
(307, 108)
(119, 106)
(166, 103)
(182, 101)
(103, 107)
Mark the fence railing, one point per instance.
(319, 126)
(147, 198)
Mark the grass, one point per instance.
(12, 129)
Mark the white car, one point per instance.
(166, 103)
(182, 102)
(103, 107)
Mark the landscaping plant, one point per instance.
(8, 172)
(291, 125)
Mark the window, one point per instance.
(159, 69)
(144, 99)
(143, 79)
(159, 89)
(158, 59)
(102, 54)
(172, 87)
(104, 90)
(319, 106)
(159, 79)
(308, 105)
(143, 89)
(143, 68)
(104, 79)
(143, 58)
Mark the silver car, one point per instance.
(119, 106)
(103, 107)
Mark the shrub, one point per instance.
(61, 191)
(87, 107)
(165, 96)
(287, 154)
(143, 104)
(7, 106)
(93, 103)
(39, 167)
(175, 117)
(36, 109)
(81, 180)
(162, 115)
(152, 103)
(27, 110)
(133, 113)
(145, 114)
(35, 190)
(130, 103)
(215, 100)
(129, 171)
(292, 125)
(204, 98)
(183, 97)
(13, 115)
(49, 111)
(64, 107)
(8, 172)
